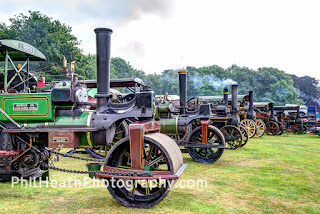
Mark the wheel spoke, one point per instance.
(155, 161)
(127, 154)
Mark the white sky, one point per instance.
(154, 35)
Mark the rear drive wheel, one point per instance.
(232, 136)
(272, 128)
(250, 125)
(261, 128)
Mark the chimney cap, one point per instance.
(98, 30)
(183, 72)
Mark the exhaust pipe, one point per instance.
(234, 101)
(271, 108)
(103, 37)
(225, 96)
(183, 91)
(234, 105)
(250, 114)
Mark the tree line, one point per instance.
(55, 40)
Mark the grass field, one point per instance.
(272, 174)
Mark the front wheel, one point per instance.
(245, 136)
(206, 155)
(159, 153)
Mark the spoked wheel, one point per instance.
(305, 129)
(232, 136)
(281, 129)
(245, 136)
(100, 152)
(160, 153)
(250, 125)
(272, 128)
(261, 128)
(204, 155)
(297, 129)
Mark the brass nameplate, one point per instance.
(25, 106)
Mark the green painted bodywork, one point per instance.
(163, 108)
(27, 107)
(167, 122)
(169, 126)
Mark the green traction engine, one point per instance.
(191, 129)
(35, 122)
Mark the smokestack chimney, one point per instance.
(234, 101)
(234, 105)
(225, 97)
(183, 91)
(103, 37)
(250, 114)
(271, 108)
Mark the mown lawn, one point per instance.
(272, 174)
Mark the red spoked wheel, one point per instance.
(272, 128)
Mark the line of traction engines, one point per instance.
(142, 135)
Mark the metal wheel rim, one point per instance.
(261, 128)
(250, 126)
(232, 135)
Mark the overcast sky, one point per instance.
(154, 35)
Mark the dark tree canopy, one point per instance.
(308, 88)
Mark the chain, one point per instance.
(144, 174)
(8, 172)
(75, 157)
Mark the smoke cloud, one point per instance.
(216, 82)
(162, 8)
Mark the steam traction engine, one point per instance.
(228, 120)
(191, 129)
(265, 112)
(249, 120)
(292, 121)
(225, 117)
(32, 122)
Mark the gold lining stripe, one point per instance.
(89, 118)
(220, 118)
(177, 125)
(89, 139)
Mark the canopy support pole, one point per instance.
(6, 71)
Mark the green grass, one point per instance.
(272, 174)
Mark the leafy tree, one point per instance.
(309, 89)
(51, 37)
